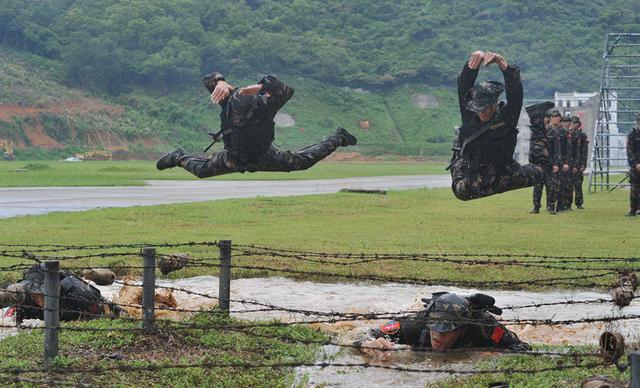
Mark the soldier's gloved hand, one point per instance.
(221, 92)
(555, 169)
(565, 167)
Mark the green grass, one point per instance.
(562, 378)
(405, 221)
(90, 349)
(131, 173)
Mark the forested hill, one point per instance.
(131, 68)
(108, 44)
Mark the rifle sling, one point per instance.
(483, 129)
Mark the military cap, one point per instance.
(448, 312)
(554, 112)
(576, 120)
(541, 108)
(566, 118)
(483, 95)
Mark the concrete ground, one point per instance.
(41, 200)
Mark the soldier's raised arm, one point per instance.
(512, 85)
(466, 80)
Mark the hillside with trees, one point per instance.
(351, 61)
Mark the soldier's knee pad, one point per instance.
(461, 191)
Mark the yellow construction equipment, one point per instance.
(6, 146)
(95, 155)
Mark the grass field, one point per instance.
(403, 221)
(134, 173)
(91, 349)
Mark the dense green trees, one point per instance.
(107, 44)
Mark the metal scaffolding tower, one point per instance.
(619, 102)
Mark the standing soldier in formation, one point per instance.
(580, 149)
(564, 177)
(633, 156)
(551, 177)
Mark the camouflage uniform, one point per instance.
(550, 179)
(481, 329)
(248, 132)
(570, 150)
(564, 178)
(633, 156)
(78, 299)
(581, 153)
(486, 165)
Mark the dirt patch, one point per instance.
(81, 105)
(39, 138)
(156, 347)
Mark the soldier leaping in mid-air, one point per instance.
(247, 131)
(483, 161)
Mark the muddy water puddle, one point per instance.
(390, 297)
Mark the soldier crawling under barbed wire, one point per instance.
(247, 131)
(78, 298)
(449, 321)
(484, 164)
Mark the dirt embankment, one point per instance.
(35, 133)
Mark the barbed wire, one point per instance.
(423, 254)
(43, 252)
(365, 258)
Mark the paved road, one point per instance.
(40, 200)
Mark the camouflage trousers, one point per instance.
(274, 159)
(471, 182)
(577, 180)
(634, 194)
(550, 181)
(565, 189)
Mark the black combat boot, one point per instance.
(632, 213)
(551, 210)
(170, 159)
(579, 207)
(535, 210)
(346, 139)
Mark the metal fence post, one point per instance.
(224, 290)
(148, 288)
(51, 311)
(634, 361)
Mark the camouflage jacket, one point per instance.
(633, 147)
(247, 121)
(555, 145)
(580, 148)
(496, 146)
(488, 333)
